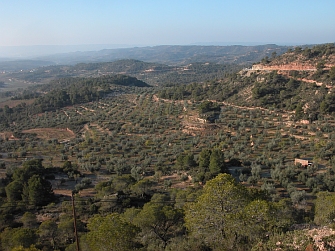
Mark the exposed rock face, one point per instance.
(285, 67)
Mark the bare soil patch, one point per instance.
(52, 133)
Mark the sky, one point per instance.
(165, 22)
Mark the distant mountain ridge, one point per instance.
(173, 54)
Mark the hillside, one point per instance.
(312, 65)
(304, 86)
(307, 58)
(250, 153)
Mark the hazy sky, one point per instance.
(155, 22)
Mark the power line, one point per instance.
(75, 223)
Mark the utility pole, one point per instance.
(75, 223)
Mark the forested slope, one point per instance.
(274, 84)
(65, 92)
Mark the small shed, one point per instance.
(303, 162)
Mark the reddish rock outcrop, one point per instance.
(286, 67)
